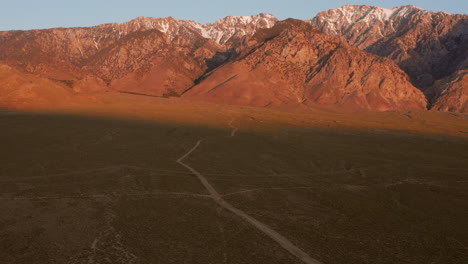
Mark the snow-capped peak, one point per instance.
(350, 15)
(367, 13)
(220, 31)
(374, 22)
(237, 26)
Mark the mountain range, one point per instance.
(353, 57)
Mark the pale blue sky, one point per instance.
(28, 14)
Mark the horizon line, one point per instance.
(192, 20)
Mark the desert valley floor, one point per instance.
(114, 184)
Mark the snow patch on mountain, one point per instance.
(220, 31)
(352, 14)
(363, 18)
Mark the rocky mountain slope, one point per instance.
(452, 93)
(158, 66)
(79, 44)
(429, 46)
(155, 55)
(293, 63)
(259, 61)
(23, 90)
(230, 30)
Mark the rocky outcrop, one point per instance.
(157, 67)
(293, 64)
(452, 93)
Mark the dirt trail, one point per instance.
(103, 196)
(234, 129)
(267, 189)
(281, 240)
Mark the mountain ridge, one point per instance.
(297, 65)
(160, 56)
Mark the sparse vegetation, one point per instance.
(79, 188)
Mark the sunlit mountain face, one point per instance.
(259, 61)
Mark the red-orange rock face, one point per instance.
(452, 93)
(293, 64)
(256, 60)
(149, 55)
(150, 62)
